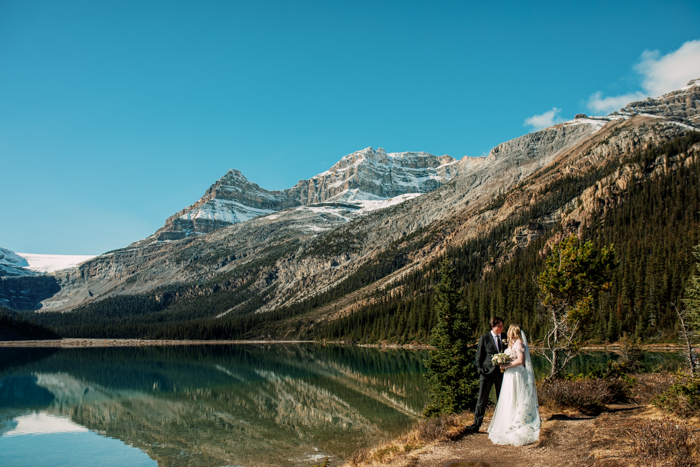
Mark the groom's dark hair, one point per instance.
(493, 322)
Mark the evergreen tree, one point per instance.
(690, 317)
(573, 275)
(692, 293)
(452, 375)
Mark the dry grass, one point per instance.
(649, 385)
(643, 436)
(587, 395)
(425, 433)
(663, 443)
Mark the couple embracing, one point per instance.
(516, 419)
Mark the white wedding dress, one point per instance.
(516, 419)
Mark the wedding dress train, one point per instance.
(516, 420)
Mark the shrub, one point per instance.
(682, 398)
(650, 385)
(360, 457)
(441, 428)
(587, 394)
(663, 442)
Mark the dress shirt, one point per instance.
(497, 340)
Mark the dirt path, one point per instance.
(565, 445)
(565, 440)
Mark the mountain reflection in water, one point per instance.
(222, 405)
(215, 405)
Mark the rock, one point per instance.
(319, 235)
(365, 174)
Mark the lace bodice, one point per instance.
(513, 350)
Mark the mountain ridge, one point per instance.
(376, 174)
(313, 264)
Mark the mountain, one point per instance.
(12, 264)
(24, 281)
(306, 249)
(22, 287)
(360, 179)
(324, 256)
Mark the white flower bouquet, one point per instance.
(501, 359)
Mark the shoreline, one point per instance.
(78, 343)
(93, 342)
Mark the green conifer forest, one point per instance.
(654, 225)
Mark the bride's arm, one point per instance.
(519, 356)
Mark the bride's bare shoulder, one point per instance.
(519, 345)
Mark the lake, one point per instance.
(213, 405)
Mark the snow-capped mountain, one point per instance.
(12, 264)
(366, 180)
(24, 264)
(373, 207)
(10, 258)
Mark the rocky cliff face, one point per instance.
(363, 175)
(26, 292)
(20, 287)
(681, 106)
(307, 249)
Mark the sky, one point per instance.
(114, 115)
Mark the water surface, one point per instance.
(203, 405)
(215, 405)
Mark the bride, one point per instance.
(516, 419)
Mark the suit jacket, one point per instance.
(484, 351)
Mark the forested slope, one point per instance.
(646, 202)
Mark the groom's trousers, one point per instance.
(485, 385)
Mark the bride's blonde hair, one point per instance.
(514, 334)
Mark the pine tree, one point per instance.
(452, 375)
(692, 293)
(575, 273)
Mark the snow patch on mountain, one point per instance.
(51, 263)
(370, 202)
(10, 258)
(28, 264)
(596, 122)
(225, 210)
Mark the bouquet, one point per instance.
(501, 359)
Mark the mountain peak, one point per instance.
(374, 174)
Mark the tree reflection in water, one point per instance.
(241, 404)
(232, 404)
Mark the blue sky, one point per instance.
(116, 114)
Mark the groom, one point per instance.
(490, 344)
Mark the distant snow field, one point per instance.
(51, 263)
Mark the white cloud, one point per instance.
(605, 105)
(671, 71)
(547, 119)
(659, 74)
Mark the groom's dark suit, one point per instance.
(489, 374)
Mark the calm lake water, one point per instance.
(247, 405)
